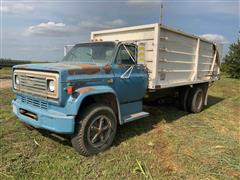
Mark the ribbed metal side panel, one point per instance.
(34, 102)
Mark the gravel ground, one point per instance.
(5, 83)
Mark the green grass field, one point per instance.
(170, 144)
(5, 73)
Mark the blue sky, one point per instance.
(38, 30)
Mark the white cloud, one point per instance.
(220, 8)
(97, 24)
(54, 49)
(228, 8)
(26, 49)
(142, 2)
(60, 29)
(17, 9)
(215, 38)
(51, 29)
(115, 23)
(47, 49)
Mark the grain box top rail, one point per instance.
(148, 26)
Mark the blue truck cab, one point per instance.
(96, 87)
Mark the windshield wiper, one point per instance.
(72, 55)
(91, 57)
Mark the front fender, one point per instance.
(74, 103)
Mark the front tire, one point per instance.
(95, 130)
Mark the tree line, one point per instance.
(231, 62)
(10, 62)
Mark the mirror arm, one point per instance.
(132, 58)
(127, 73)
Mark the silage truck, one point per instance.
(101, 84)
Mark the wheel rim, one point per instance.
(199, 100)
(99, 131)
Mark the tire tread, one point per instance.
(78, 137)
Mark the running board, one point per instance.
(135, 116)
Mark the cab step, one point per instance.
(135, 116)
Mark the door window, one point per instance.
(123, 56)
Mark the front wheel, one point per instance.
(95, 130)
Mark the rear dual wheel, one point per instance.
(195, 100)
(191, 99)
(183, 97)
(95, 130)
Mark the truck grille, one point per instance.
(35, 85)
(34, 102)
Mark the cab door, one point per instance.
(130, 80)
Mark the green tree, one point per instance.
(232, 60)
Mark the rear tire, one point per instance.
(195, 100)
(95, 130)
(183, 97)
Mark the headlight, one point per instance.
(17, 81)
(51, 85)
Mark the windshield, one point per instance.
(91, 53)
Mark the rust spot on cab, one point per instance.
(107, 68)
(61, 66)
(51, 69)
(124, 65)
(85, 90)
(135, 115)
(84, 69)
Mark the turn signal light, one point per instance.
(69, 90)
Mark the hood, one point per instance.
(67, 69)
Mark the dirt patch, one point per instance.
(165, 153)
(5, 83)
